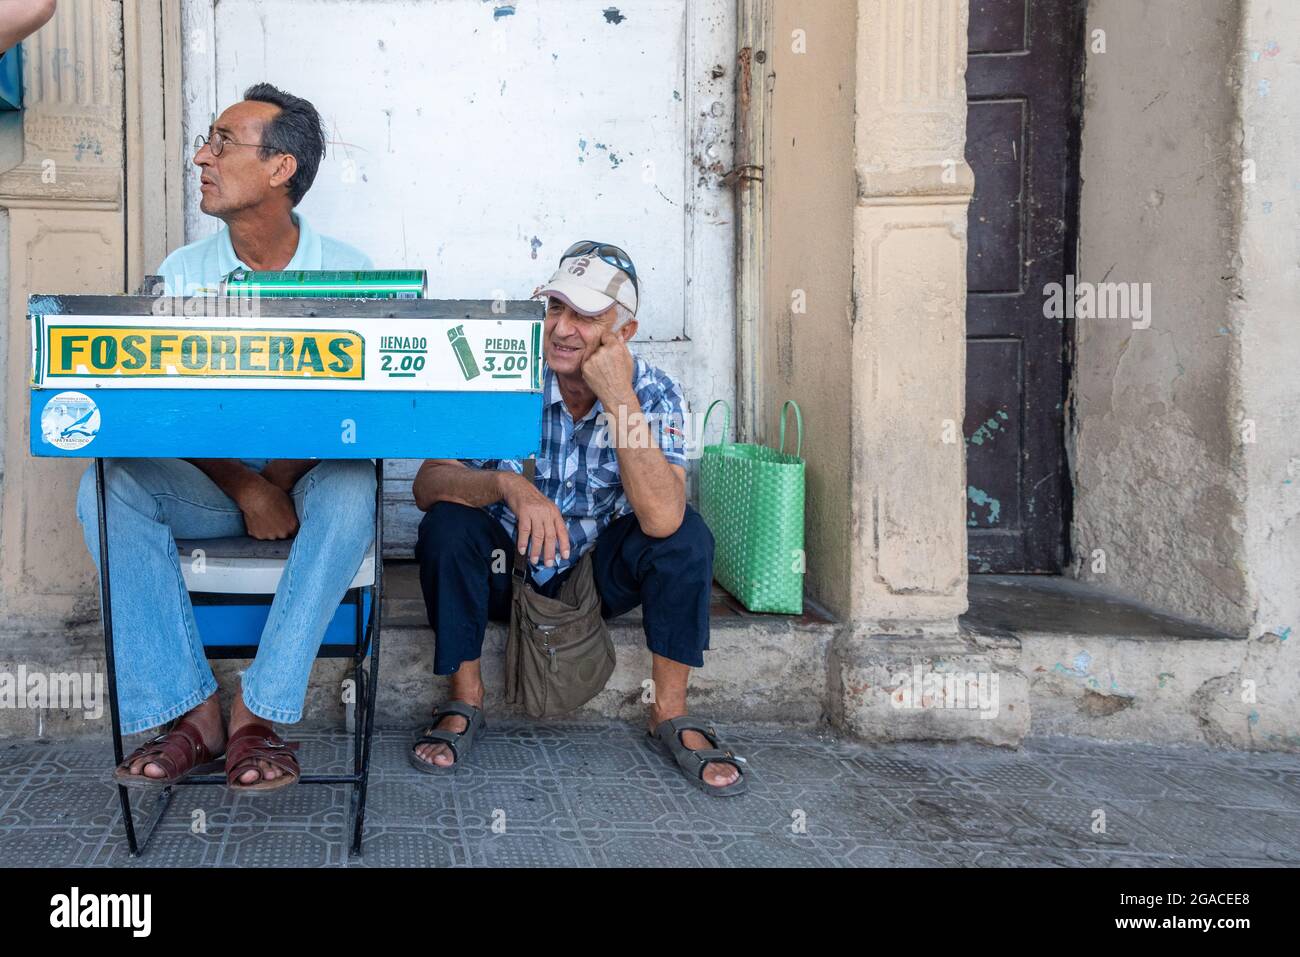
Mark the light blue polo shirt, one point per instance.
(197, 269)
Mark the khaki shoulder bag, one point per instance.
(559, 654)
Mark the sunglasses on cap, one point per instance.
(608, 253)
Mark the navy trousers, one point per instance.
(671, 577)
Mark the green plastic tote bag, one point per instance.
(751, 497)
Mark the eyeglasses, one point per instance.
(218, 143)
(608, 253)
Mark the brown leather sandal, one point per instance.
(257, 742)
(179, 751)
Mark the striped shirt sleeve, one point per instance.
(664, 406)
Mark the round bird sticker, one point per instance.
(70, 421)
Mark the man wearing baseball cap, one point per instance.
(605, 483)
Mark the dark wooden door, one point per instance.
(1022, 143)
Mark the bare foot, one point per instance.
(241, 717)
(466, 688)
(207, 718)
(717, 774)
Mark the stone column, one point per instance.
(908, 334)
(907, 338)
(66, 235)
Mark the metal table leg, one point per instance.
(106, 603)
(372, 682)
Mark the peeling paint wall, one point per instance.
(479, 140)
(1159, 483)
(811, 191)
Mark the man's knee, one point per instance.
(120, 482)
(694, 533)
(352, 481)
(696, 544)
(87, 501)
(449, 529)
(348, 490)
(692, 537)
(685, 556)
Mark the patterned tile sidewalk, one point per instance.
(600, 794)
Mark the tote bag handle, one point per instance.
(726, 422)
(785, 409)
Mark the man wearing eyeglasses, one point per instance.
(607, 481)
(257, 162)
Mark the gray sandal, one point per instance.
(669, 734)
(460, 742)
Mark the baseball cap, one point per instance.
(590, 285)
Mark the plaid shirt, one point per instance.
(577, 465)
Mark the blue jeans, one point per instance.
(162, 671)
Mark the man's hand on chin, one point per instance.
(269, 513)
(608, 370)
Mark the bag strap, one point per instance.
(726, 423)
(798, 422)
(530, 473)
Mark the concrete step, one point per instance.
(770, 668)
(765, 669)
(1062, 658)
(1109, 668)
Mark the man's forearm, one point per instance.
(451, 481)
(654, 489)
(21, 18)
(230, 475)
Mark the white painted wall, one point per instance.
(478, 140)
